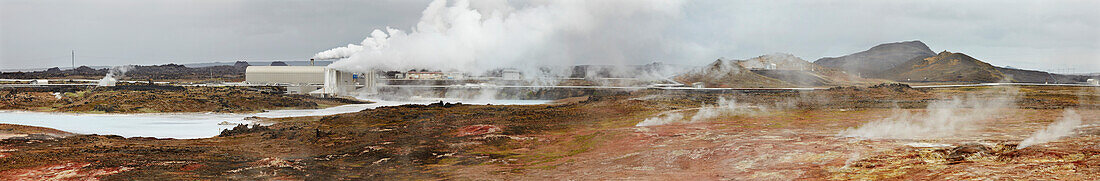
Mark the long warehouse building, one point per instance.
(307, 79)
(298, 75)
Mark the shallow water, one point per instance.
(184, 125)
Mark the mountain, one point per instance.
(944, 67)
(728, 73)
(878, 58)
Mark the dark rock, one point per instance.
(243, 129)
(241, 64)
(959, 153)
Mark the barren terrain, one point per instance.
(153, 99)
(769, 136)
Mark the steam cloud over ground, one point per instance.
(114, 74)
(724, 108)
(943, 118)
(484, 35)
(1062, 128)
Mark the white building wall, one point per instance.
(284, 75)
(343, 83)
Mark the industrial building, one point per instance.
(296, 75)
(309, 79)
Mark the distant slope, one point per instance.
(944, 67)
(1034, 76)
(192, 65)
(879, 58)
(727, 73)
(260, 63)
(794, 70)
(168, 72)
(787, 68)
(797, 77)
(782, 61)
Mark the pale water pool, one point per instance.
(185, 125)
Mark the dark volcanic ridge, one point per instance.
(140, 72)
(879, 58)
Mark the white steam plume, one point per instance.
(661, 119)
(943, 118)
(1064, 127)
(113, 75)
(483, 35)
(725, 108)
(341, 52)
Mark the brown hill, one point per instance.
(787, 68)
(778, 61)
(944, 67)
(727, 73)
(795, 70)
(797, 77)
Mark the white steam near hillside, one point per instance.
(475, 36)
(661, 119)
(724, 108)
(1064, 127)
(943, 118)
(113, 75)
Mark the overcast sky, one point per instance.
(1059, 35)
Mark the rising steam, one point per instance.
(662, 119)
(724, 108)
(114, 74)
(1064, 127)
(943, 118)
(484, 35)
